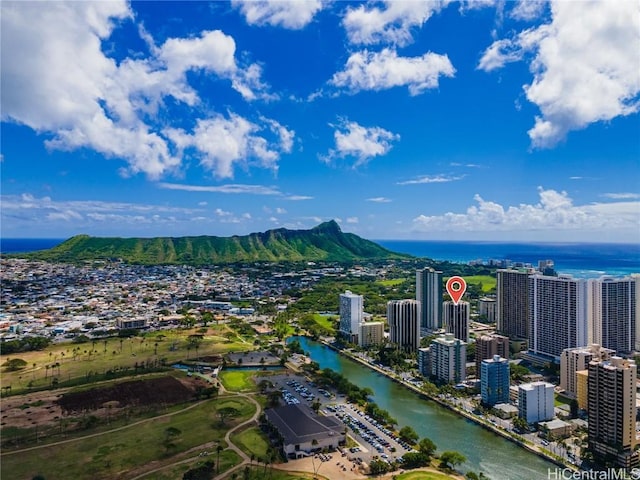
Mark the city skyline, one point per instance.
(235, 117)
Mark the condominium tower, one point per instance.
(557, 314)
(448, 359)
(512, 310)
(456, 319)
(351, 315)
(573, 360)
(404, 323)
(494, 387)
(613, 313)
(612, 411)
(429, 296)
(489, 345)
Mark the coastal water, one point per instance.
(581, 260)
(485, 451)
(23, 245)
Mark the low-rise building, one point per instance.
(304, 432)
(535, 401)
(371, 333)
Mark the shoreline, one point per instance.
(482, 423)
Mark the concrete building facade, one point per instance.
(487, 308)
(612, 411)
(455, 319)
(494, 386)
(404, 324)
(535, 401)
(512, 308)
(351, 315)
(429, 296)
(489, 345)
(448, 359)
(371, 333)
(557, 315)
(573, 360)
(613, 313)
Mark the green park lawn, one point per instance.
(105, 455)
(258, 473)
(391, 282)
(325, 321)
(68, 361)
(488, 282)
(228, 458)
(252, 441)
(238, 380)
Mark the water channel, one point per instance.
(485, 451)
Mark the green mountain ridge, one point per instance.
(323, 242)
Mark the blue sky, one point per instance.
(480, 120)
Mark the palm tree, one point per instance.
(218, 450)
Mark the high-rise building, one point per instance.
(487, 309)
(456, 319)
(429, 296)
(573, 360)
(535, 401)
(557, 314)
(512, 307)
(448, 359)
(489, 345)
(613, 313)
(371, 333)
(612, 411)
(582, 389)
(424, 361)
(494, 387)
(351, 315)
(404, 323)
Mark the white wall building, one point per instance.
(535, 401)
(404, 323)
(351, 315)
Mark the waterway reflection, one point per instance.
(485, 451)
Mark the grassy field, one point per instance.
(105, 456)
(325, 321)
(228, 458)
(238, 380)
(66, 361)
(422, 475)
(488, 282)
(251, 441)
(259, 473)
(391, 282)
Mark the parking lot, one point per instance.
(373, 439)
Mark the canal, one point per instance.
(485, 451)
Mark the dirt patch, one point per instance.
(155, 391)
(26, 411)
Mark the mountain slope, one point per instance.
(323, 242)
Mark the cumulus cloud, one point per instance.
(383, 70)
(555, 212)
(621, 196)
(390, 22)
(379, 200)
(431, 179)
(222, 143)
(363, 143)
(57, 79)
(293, 15)
(584, 65)
(527, 10)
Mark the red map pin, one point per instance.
(456, 286)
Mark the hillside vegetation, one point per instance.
(324, 242)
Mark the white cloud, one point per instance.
(297, 198)
(554, 213)
(432, 179)
(390, 22)
(221, 143)
(289, 14)
(221, 213)
(621, 196)
(379, 200)
(352, 220)
(363, 143)
(229, 188)
(584, 66)
(280, 211)
(56, 78)
(528, 9)
(385, 69)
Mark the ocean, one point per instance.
(582, 260)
